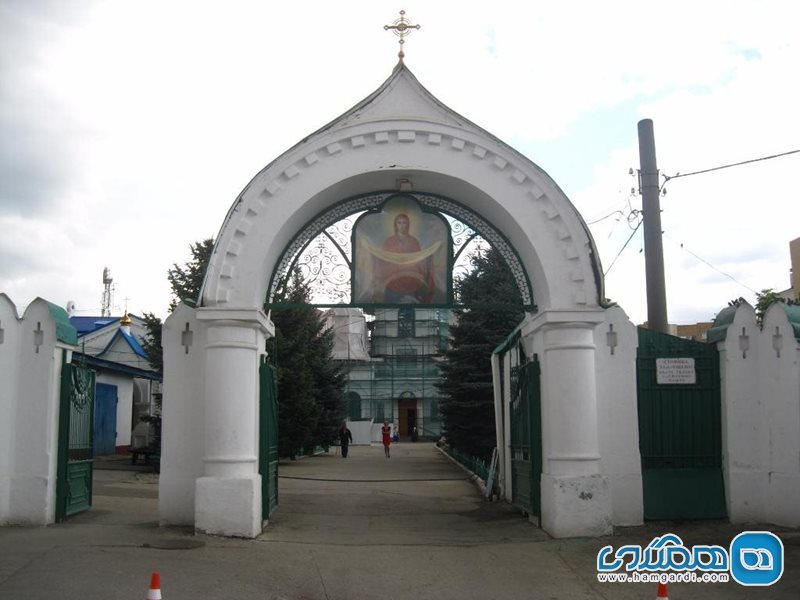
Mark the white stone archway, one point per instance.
(399, 133)
(402, 132)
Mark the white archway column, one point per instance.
(576, 500)
(228, 496)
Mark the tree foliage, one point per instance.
(185, 283)
(187, 280)
(765, 299)
(467, 403)
(151, 343)
(310, 384)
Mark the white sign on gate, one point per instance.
(675, 371)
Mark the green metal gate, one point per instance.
(679, 427)
(268, 439)
(76, 425)
(526, 437)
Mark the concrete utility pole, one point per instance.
(651, 215)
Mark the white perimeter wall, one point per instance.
(29, 402)
(760, 370)
(617, 415)
(183, 417)
(9, 375)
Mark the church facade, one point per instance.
(392, 365)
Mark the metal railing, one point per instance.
(476, 465)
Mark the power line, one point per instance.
(731, 277)
(616, 212)
(744, 162)
(615, 208)
(623, 247)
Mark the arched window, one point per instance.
(353, 405)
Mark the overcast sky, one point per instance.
(128, 128)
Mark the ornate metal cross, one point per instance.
(401, 28)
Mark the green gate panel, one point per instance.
(526, 437)
(684, 494)
(268, 439)
(79, 487)
(74, 466)
(680, 431)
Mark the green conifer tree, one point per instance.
(310, 384)
(467, 402)
(151, 344)
(186, 281)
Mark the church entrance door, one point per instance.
(408, 415)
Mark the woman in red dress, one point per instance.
(386, 433)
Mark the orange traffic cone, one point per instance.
(154, 593)
(662, 592)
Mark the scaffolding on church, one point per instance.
(392, 355)
(398, 381)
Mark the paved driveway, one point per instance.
(412, 526)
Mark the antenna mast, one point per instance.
(108, 292)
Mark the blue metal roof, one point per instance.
(133, 343)
(86, 325)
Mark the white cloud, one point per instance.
(147, 119)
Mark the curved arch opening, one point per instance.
(322, 253)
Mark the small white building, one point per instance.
(127, 385)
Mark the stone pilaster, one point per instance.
(228, 496)
(576, 500)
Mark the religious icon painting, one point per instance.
(401, 255)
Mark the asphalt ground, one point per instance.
(410, 527)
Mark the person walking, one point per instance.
(345, 437)
(386, 434)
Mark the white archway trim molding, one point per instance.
(373, 147)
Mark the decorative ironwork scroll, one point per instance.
(81, 393)
(322, 254)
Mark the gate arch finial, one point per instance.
(401, 27)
